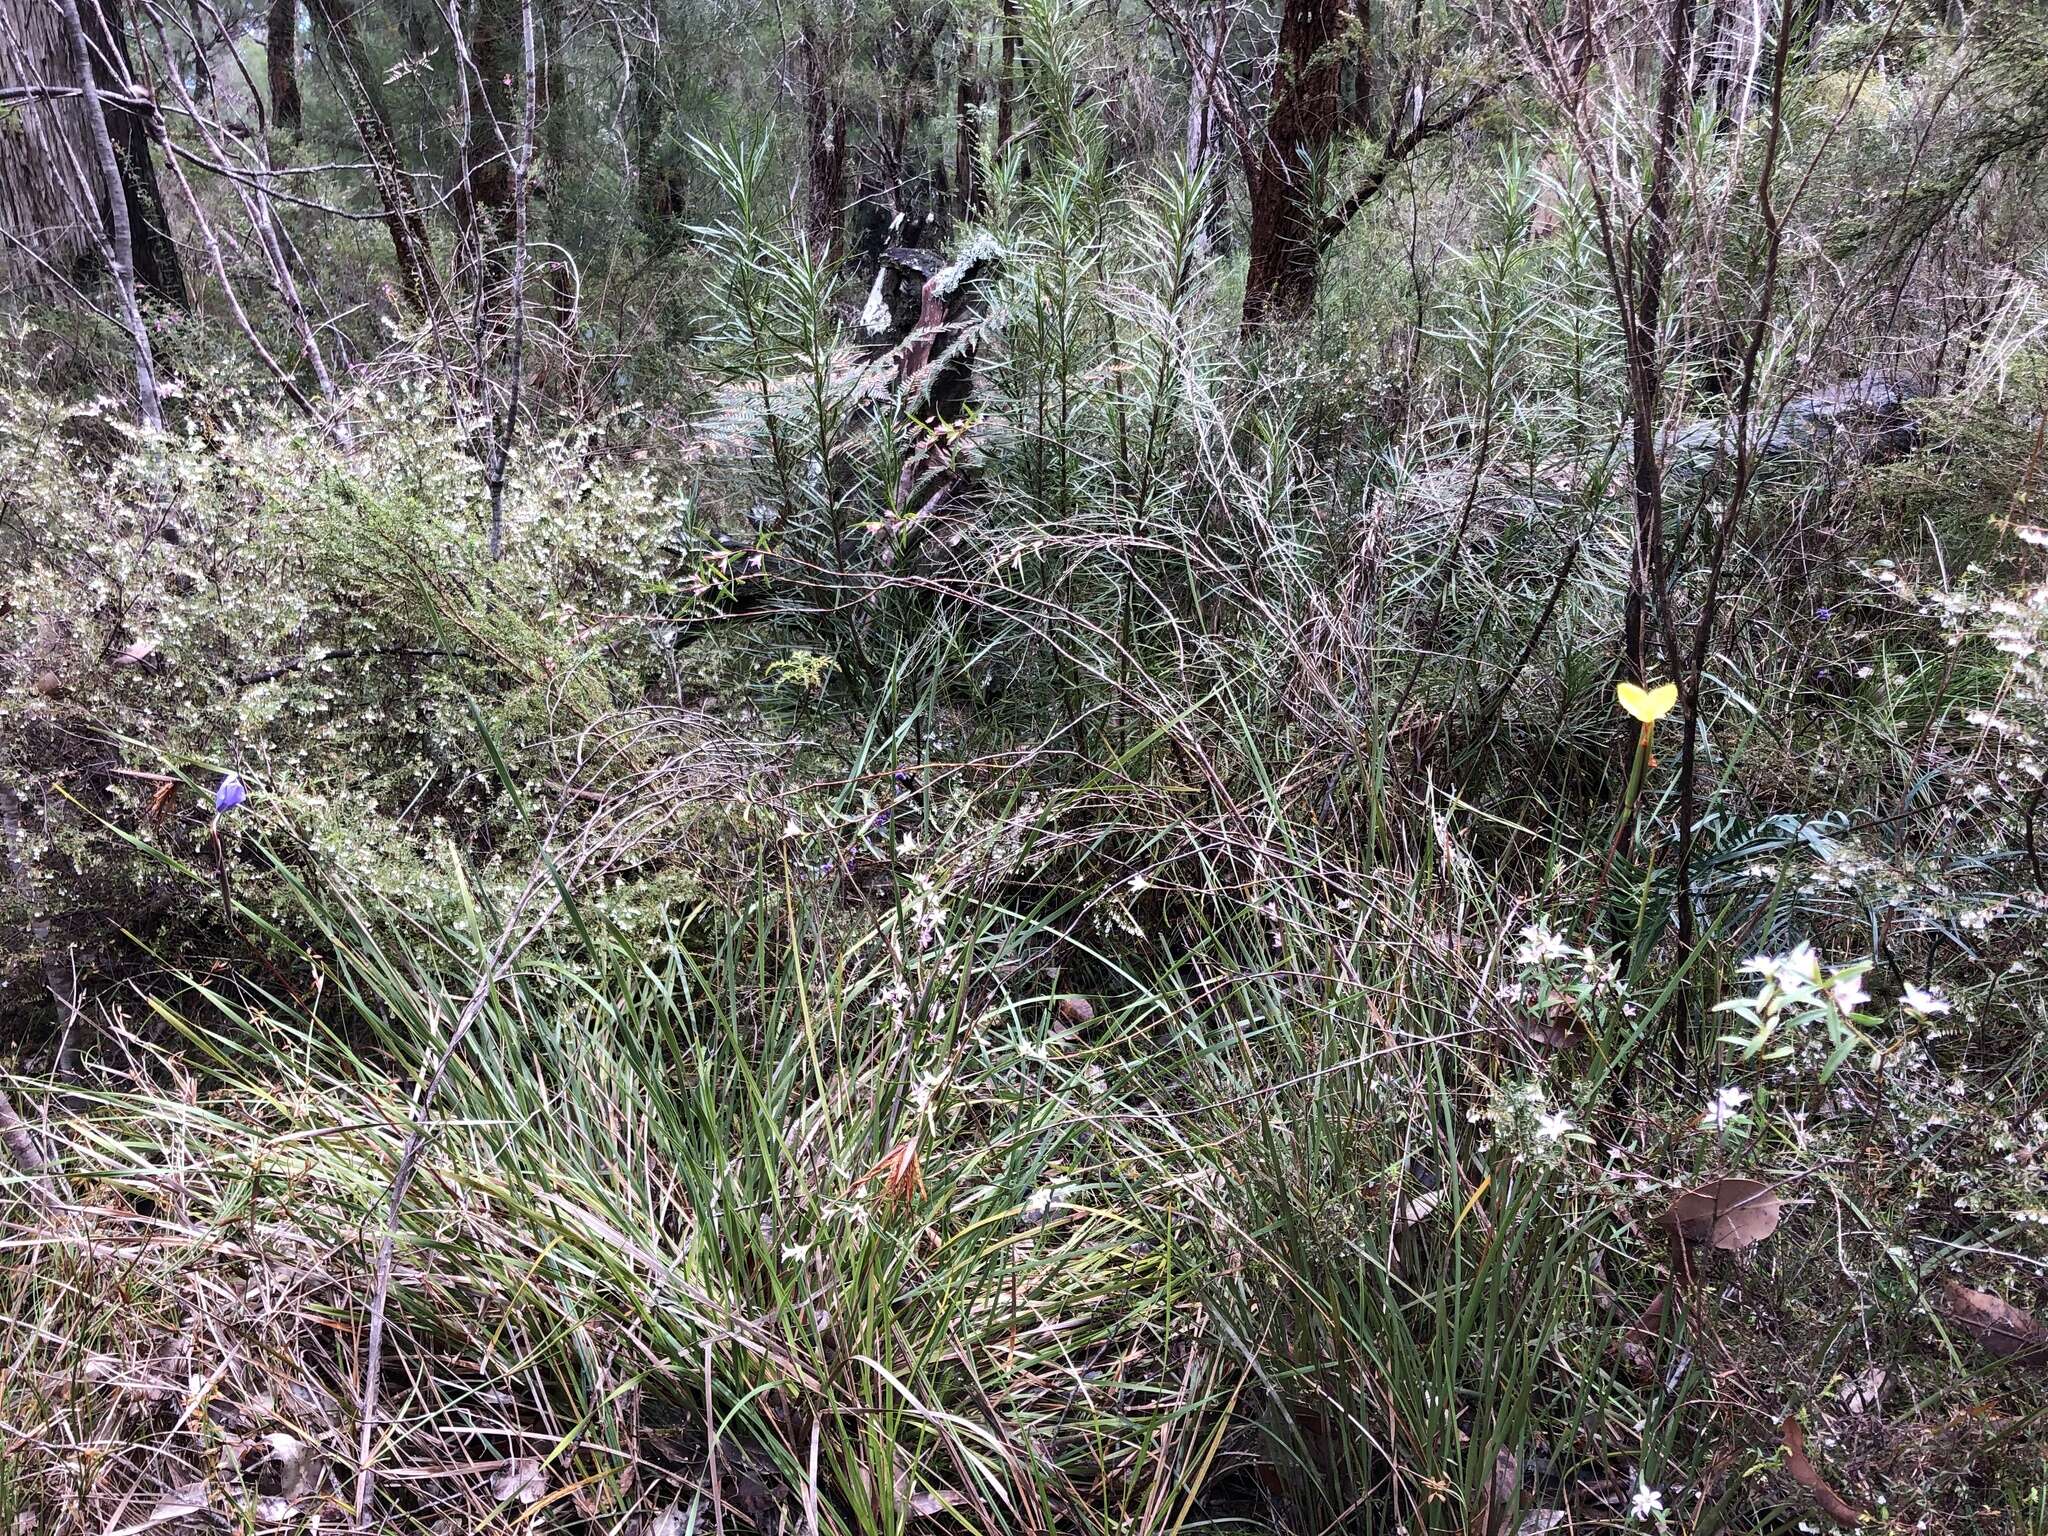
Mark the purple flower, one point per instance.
(1823, 614)
(229, 795)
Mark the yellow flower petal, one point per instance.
(1647, 704)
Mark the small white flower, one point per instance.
(1801, 967)
(1648, 1503)
(1849, 992)
(1722, 1111)
(1926, 1004)
(792, 828)
(1540, 944)
(1139, 883)
(795, 1253)
(1553, 1127)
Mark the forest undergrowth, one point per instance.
(1426, 919)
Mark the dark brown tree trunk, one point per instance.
(1286, 243)
(334, 27)
(281, 58)
(485, 203)
(824, 136)
(119, 244)
(1642, 314)
(157, 268)
(553, 107)
(202, 66)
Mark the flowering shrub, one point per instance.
(1801, 1014)
(320, 622)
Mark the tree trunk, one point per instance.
(1281, 169)
(824, 136)
(281, 58)
(966, 132)
(202, 66)
(486, 200)
(1006, 98)
(1205, 129)
(155, 256)
(553, 106)
(1642, 312)
(120, 243)
(334, 28)
(47, 244)
(657, 188)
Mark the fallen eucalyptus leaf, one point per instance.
(1730, 1214)
(1996, 1323)
(1832, 1504)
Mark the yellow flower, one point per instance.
(1648, 705)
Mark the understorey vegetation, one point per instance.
(1024, 767)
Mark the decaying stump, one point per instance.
(929, 316)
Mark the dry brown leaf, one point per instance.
(1996, 1323)
(1863, 1393)
(523, 1482)
(1638, 1343)
(1501, 1491)
(1832, 1504)
(296, 1467)
(1413, 1208)
(1076, 1010)
(1730, 1214)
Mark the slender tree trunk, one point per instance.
(1581, 49)
(1643, 312)
(519, 144)
(966, 130)
(1205, 129)
(1287, 241)
(120, 243)
(824, 136)
(155, 256)
(202, 66)
(553, 106)
(281, 58)
(1006, 97)
(334, 27)
(486, 201)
